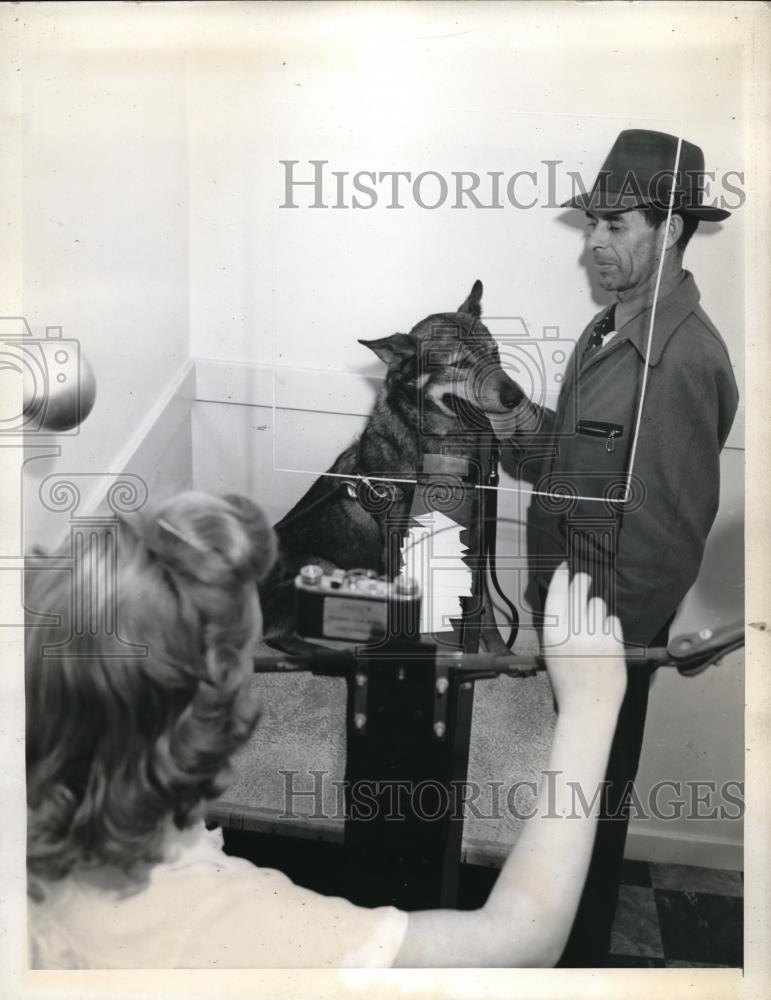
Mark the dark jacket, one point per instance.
(644, 554)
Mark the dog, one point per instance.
(444, 378)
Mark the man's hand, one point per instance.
(525, 418)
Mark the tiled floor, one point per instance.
(676, 916)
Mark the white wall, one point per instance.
(300, 285)
(695, 727)
(105, 242)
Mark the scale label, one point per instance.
(349, 618)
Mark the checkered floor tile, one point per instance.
(677, 916)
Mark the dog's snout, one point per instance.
(511, 394)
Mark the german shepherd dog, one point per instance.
(340, 523)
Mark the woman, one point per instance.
(123, 752)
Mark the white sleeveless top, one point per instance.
(203, 909)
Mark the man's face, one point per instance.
(625, 249)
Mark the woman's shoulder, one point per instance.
(201, 908)
(197, 847)
(99, 917)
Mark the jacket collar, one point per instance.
(671, 311)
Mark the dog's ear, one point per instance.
(390, 349)
(473, 304)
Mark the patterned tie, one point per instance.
(601, 328)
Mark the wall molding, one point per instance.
(152, 436)
(315, 390)
(318, 390)
(661, 846)
(674, 848)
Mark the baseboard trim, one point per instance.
(641, 845)
(684, 849)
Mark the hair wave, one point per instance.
(131, 726)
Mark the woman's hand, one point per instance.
(528, 915)
(584, 649)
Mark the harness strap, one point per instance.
(351, 489)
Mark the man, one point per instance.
(641, 538)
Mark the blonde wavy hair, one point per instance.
(116, 744)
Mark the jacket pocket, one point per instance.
(601, 429)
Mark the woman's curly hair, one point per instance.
(137, 723)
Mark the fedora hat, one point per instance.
(638, 173)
